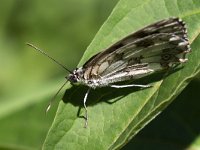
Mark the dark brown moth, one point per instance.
(157, 47)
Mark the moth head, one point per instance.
(75, 76)
(72, 78)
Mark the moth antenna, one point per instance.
(45, 54)
(54, 97)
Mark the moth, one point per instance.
(156, 47)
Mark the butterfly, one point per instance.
(156, 47)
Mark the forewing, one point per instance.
(159, 45)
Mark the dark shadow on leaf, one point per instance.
(177, 128)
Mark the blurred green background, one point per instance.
(62, 28)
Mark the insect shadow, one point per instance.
(109, 95)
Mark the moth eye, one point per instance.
(73, 78)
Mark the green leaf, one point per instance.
(177, 127)
(117, 115)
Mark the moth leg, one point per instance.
(130, 85)
(84, 103)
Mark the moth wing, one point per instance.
(159, 45)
